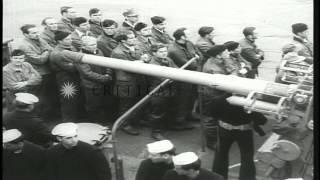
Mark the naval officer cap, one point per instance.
(65, 129)
(139, 26)
(185, 158)
(26, 98)
(11, 135)
(215, 50)
(130, 12)
(159, 146)
(157, 19)
(299, 27)
(79, 20)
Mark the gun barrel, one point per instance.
(227, 83)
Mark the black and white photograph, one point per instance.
(158, 90)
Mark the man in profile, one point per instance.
(65, 23)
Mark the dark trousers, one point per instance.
(246, 146)
(69, 93)
(161, 112)
(49, 97)
(125, 103)
(99, 105)
(186, 96)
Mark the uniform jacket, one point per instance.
(161, 37)
(65, 25)
(106, 44)
(95, 28)
(203, 175)
(234, 64)
(76, 39)
(27, 165)
(126, 81)
(83, 162)
(11, 74)
(169, 90)
(37, 54)
(249, 52)
(181, 54)
(48, 36)
(144, 45)
(204, 45)
(126, 26)
(31, 126)
(92, 75)
(214, 66)
(304, 48)
(149, 170)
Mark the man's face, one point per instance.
(96, 17)
(133, 19)
(237, 50)
(131, 41)
(146, 31)
(161, 53)
(303, 34)
(161, 26)
(211, 35)
(71, 13)
(160, 158)
(253, 36)
(33, 33)
(84, 27)
(111, 30)
(66, 41)
(17, 60)
(52, 24)
(224, 54)
(69, 142)
(181, 171)
(90, 46)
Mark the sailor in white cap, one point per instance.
(24, 119)
(158, 162)
(74, 159)
(21, 159)
(188, 166)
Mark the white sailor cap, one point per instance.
(185, 158)
(65, 129)
(159, 146)
(10, 135)
(294, 179)
(26, 98)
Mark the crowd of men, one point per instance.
(43, 83)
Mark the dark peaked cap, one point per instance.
(205, 30)
(79, 20)
(140, 26)
(299, 27)
(60, 35)
(248, 31)
(157, 19)
(231, 45)
(215, 50)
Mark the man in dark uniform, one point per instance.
(250, 51)
(237, 64)
(126, 83)
(131, 19)
(211, 97)
(300, 39)
(159, 161)
(106, 41)
(25, 120)
(67, 76)
(188, 166)
(95, 21)
(162, 105)
(144, 40)
(21, 159)
(158, 30)
(93, 79)
(74, 159)
(235, 125)
(205, 42)
(82, 28)
(65, 24)
(181, 51)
